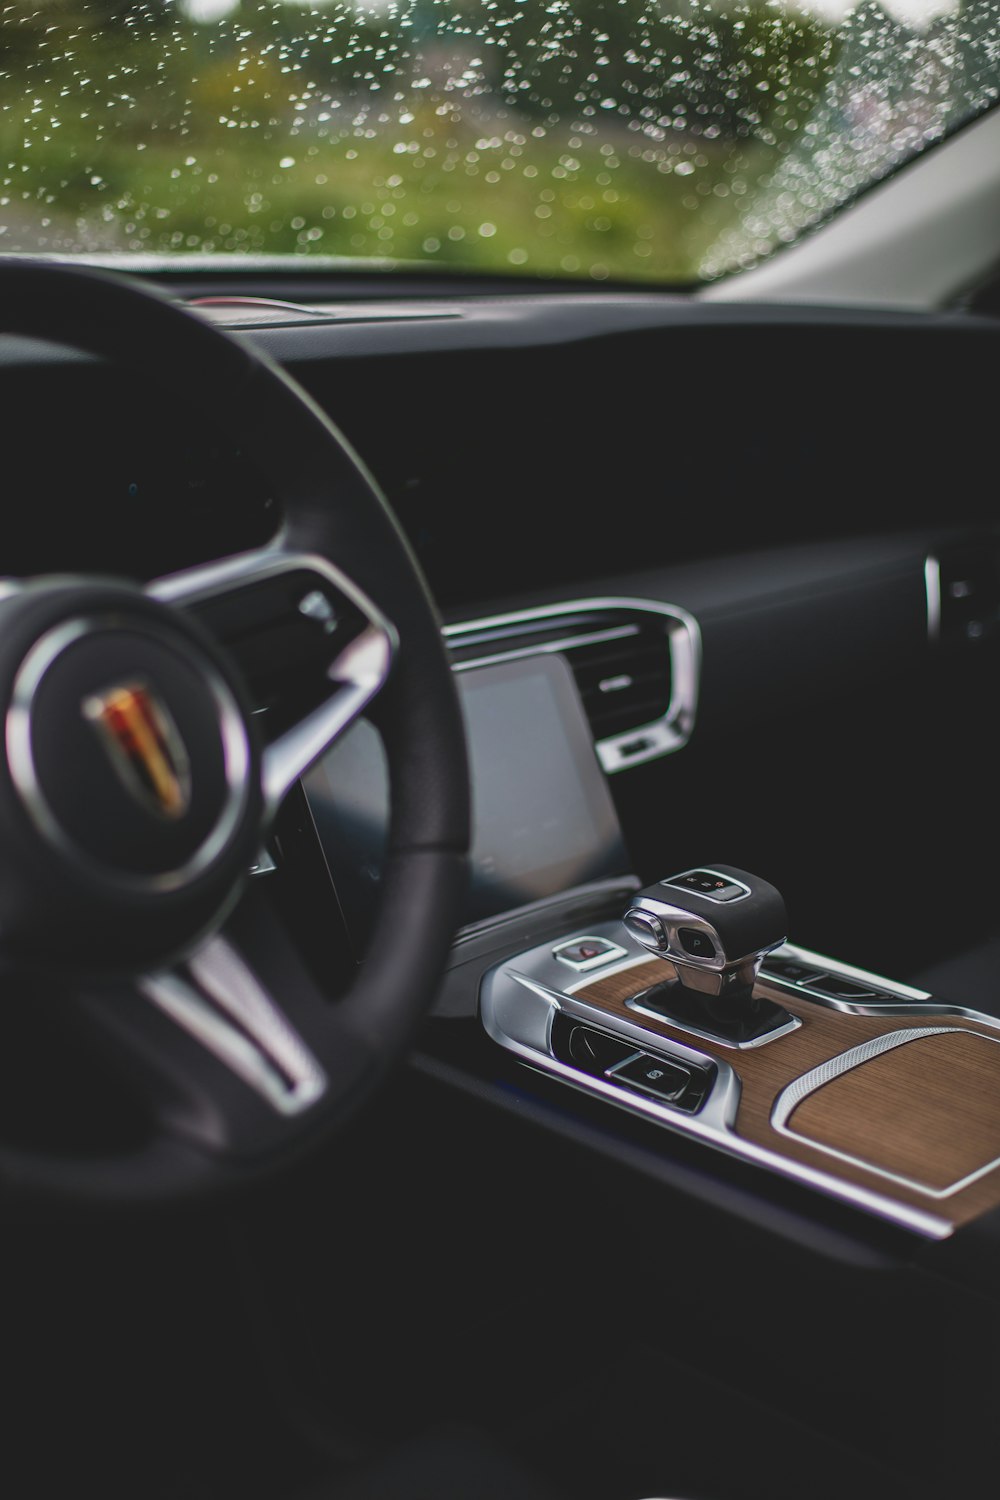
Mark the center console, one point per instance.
(681, 1002)
(864, 1089)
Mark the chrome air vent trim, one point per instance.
(576, 623)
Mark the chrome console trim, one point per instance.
(792, 1024)
(519, 999)
(900, 999)
(664, 735)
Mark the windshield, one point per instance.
(657, 141)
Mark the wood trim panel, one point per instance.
(902, 1112)
(928, 1113)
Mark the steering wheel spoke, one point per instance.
(235, 1049)
(311, 647)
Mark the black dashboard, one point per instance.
(717, 584)
(780, 479)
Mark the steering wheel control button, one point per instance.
(588, 952)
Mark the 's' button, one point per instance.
(654, 1076)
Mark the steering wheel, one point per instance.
(142, 774)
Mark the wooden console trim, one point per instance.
(891, 1111)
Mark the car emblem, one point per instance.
(143, 745)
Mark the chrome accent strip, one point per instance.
(844, 1062)
(589, 891)
(909, 1000)
(517, 1005)
(856, 1057)
(263, 864)
(672, 919)
(630, 961)
(932, 587)
(792, 1024)
(666, 734)
(262, 1048)
(547, 648)
(360, 671)
(842, 971)
(21, 759)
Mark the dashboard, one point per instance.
(746, 532)
(716, 586)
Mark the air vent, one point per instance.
(963, 591)
(624, 683)
(635, 663)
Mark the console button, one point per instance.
(707, 884)
(843, 989)
(790, 969)
(584, 1047)
(596, 1052)
(698, 944)
(654, 1075)
(587, 952)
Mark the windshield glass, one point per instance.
(665, 141)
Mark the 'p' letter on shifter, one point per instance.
(715, 924)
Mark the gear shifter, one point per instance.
(715, 924)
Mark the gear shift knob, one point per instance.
(715, 924)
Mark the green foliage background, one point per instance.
(601, 138)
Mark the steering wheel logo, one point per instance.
(144, 746)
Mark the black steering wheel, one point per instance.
(141, 777)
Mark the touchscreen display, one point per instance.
(543, 817)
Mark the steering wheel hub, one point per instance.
(133, 773)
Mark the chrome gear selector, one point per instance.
(714, 924)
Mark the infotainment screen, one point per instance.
(543, 817)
